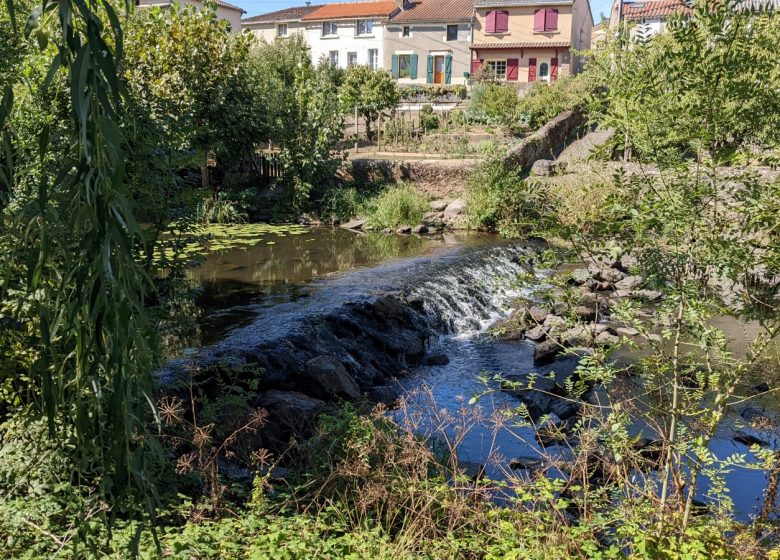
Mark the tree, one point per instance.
(370, 92)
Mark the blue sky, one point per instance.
(254, 7)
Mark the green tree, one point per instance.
(370, 92)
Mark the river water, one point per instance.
(258, 291)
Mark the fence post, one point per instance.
(357, 131)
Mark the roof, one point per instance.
(654, 9)
(501, 3)
(352, 10)
(224, 4)
(436, 10)
(522, 45)
(288, 14)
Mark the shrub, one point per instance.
(493, 104)
(428, 119)
(399, 205)
(545, 101)
(219, 209)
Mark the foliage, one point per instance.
(544, 102)
(428, 119)
(370, 92)
(436, 92)
(218, 209)
(396, 206)
(493, 103)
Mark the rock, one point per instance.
(750, 437)
(554, 322)
(599, 328)
(627, 262)
(577, 336)
(403, 230)
(354, 224)
(330, 380)
(387, 231)
(552, 431)
(436, 360)
(538, 314)
(534, 390)
(565, 408)
(585, 312)
(757, 418)
(606, 274)
(474, 471)
(606, 339)
(621, 294)
(629, 332)
(629, 283)
(648, 295)
(439, 205)
(536, 334)
(589, 299)
(433, 219)
(761, 388)
(385, 394)
(455, 214)
(290, 408)
(650, 450)
(420, 230)
(579, 276)
(545, 351)
(526, 463)
(543, 167)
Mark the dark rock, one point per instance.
(606, 274)
(385, 394)
(533, 390)
(748, 436)
(526, 463)
(538, 314)
(551, 432)
(436, 360)
(758, 418)
(354, 224)
(585, 312)
(761, 388)
(648, 295)
(474, 471)
(536, 334)
(629, 332)
(545, 351)
(289, 407)
(650, 450)
(577, 336)
(606, 339)
(404, 230)
(565, 408)
(330, 380)
(420, 230)
(589, 299)
(629, 283)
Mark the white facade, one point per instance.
(346, 46)
(270, 31)
(232, 14)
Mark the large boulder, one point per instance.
(330, 380)
(455, 214)
(532, 389)
(357, 223)
(290, 408)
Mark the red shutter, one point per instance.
(491, 22)
(476, 66)
(531, 69)
(539, 20)
(502, 21)
(512, 65)
(551, 20)
(553, 69)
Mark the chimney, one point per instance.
(402, 4)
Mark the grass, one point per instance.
(396, 206)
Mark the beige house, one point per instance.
(279, 24)
(530, 40)
(429, 41)
(232, 14)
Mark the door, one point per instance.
(438, 70)
(544, 70)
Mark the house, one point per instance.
(232, 14)
(278, 24)
(648, 17)
(530, 40)
(429, 41)
(348, 34)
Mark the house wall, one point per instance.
(267, 31)
(647, 28)
(524, 55)
(581, 32)
(521, 25)
(429, 39)
(345, 42)
(232, 16)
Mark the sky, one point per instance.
(254, 7)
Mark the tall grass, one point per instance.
(397, 206)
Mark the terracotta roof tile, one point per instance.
(288, 14)
(352, 10)
(521, 45)
(654, 9)
(436, 10)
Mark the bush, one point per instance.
(493, 104)
(219, 209)
(397, 206)
(545, 101)
(428, 119)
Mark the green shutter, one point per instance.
(448, 69)
(413, 66)
(394, 64)
(429, 78)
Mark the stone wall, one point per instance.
(444, 178)
(545, 142)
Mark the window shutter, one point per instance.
(413, 66)
(551, 20)
(531, 69)
(491, 22)
(394, 66)
(429, 77)
(512, 65)
(539, 20)
(502, 21)
(553, 69)
(448, 69)
(476, 66)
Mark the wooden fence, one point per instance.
(268, 167)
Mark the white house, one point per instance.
(232, 14)
(349, 34)
(279, 24)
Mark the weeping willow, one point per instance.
(93, 342)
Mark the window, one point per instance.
(498, 67)
(544, 72)
(452, 32)
(545, 20)
(365, 27)
(329, 28)
(404, 66)
(333, 56)
(406, 32)
(497, 21)
(373, 58)
(351, 59)
(281, 30)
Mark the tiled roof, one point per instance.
(224, 4)
(498, 3)
(436, 10)
(524, 45)
(352, 10)
(288, 14)
(654, 9)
